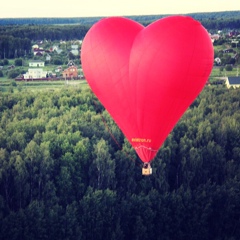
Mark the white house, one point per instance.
(214, 37)
(35, 46)
(59, 51)
(56, 48)
(48, 57)
(74, 50)
(218, 61)
(34, 73)
(74, 47)
(38, 51)
(36, 63)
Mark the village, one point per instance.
(60, 60)
(45, 64)
(226, 57)
(36, 72)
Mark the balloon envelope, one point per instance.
(146, 77)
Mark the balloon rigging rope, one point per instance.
(141, 146)
(114, 139)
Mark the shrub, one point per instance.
(229, 67)
(13, 73)
(5, 62)
(57, 61)
(18, 62)
(14, 84)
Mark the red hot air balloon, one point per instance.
(146, 77)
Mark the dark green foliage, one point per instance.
(17, 34)
(16, 41)
(228, 19)
(57, 61)
(229, 67)
(13, 73)
(13, 46)
(5, 61)
(62, 176)
(18, 62)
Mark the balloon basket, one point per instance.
(146, 170)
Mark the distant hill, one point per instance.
(145, 19)
(198, 16)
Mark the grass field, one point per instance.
(12, 85)
(216, 72)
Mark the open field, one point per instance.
(11, 85)
(217, 72)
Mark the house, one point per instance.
(228, 50)
(36, 63)
(11, 67)
(74, 50)
(35, 73)
(56, 48)
(35, 46)
(58, 69)
(70, 63)
(48, 57)
(233, 33)
(70, 72)
(233, 82)
(38, 51)
(214, 37)
(40, 42)
(218, 61)
(59, 51)
(75, 47)
(38, 54)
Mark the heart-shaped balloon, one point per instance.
(146, 77)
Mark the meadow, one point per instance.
(12, 85)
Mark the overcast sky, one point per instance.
(102, 8)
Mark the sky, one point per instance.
(105, 8)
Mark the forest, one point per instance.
(17, 41)
(17, 35)
(144, 19)
(67, 172)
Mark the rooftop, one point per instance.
(234, 80)
(36, 61)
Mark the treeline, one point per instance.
(16, 41)
(41, 32)
(222, 24)
(211, 21)
(13, 47)
(92, 20)
(49, 21)
(62, 176)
